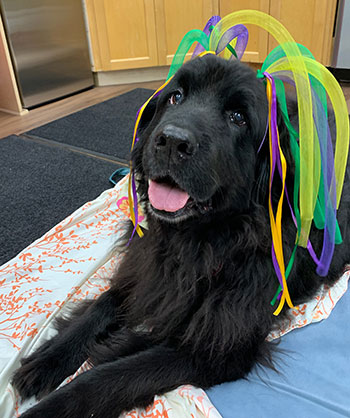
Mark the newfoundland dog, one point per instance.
(190, 302)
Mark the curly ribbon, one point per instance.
(331, 228)
(325, 210)
(207, 30)
(188, 40)
(318, 182)
(239, 33)
(336, 97)
(276, 159)
(330, 184)
(312, 145)
(331, 179)
(306, 132)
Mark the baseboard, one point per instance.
(341, 74)
(13, 112)
(139, 75)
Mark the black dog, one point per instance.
(190, 303)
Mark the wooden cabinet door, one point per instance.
(258, 38)
(175, 18)
(309, 22)
(123, 34)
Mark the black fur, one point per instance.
(190, 303)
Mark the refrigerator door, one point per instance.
(48, 42)
(341, 48)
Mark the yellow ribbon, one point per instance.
(338, 102)
(276, 223)
(131, 200)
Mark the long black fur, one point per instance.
(190, 303)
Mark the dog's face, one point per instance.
(199, 138)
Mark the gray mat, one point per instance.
(105, 128)
(40, 186)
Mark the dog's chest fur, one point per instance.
(185, 284)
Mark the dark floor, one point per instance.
(50, 171)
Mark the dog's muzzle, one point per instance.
(177, 144)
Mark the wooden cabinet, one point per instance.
(309, 22)
(175, 18)
(258, 38)
(123, 34)
(142, 33)
(146, 33)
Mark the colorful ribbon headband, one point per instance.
(319, 171)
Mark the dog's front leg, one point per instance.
(61, 356)
(109, 389)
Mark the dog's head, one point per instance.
(199, 140)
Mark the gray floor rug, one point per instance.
(40, 186)
(105, 128)
(51, 171)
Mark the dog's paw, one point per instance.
(77, 399)
(53, 406)
(35, 413)
(38, 376)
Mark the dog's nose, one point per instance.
(179, 142)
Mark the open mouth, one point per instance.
(168, 200)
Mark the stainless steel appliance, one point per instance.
(48, 44)
(341, 47)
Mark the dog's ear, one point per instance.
(145, 121)
(148, 114)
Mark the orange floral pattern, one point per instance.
(72, 262)
(315, 310)
(123, 205)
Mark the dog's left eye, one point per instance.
(237, 118)
(175, 98)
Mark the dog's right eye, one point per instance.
(175, 98)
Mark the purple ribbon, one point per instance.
(276, 160)
(211, 22)
(136, 208)
(326, 149)
(238, 31)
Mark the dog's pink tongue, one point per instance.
(165, 197)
